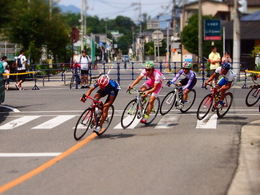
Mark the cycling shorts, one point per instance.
(223, 81)
(150, 84)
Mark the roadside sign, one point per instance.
(157, 35)
(212, 30)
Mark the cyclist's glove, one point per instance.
(83, 98)
(169, 83)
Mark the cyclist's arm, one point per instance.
(210, 78)
(177, 75)
(90, 90)
(136, 81)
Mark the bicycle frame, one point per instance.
(139, 102)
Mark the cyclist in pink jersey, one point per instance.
(152, 86)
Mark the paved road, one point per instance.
(177, 158)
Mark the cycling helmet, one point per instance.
(148, 65)
(187, 65)
(103, 80)
(226, 66)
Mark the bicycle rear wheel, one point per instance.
(167, 103)
(227, 104)
(129, 114)
(204, 107)
(190, 101)
(72, 81)
(83, 124)
(154, 112)
(253, 96)
(108, 120)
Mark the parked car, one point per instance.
(125, 58)
(2, 89)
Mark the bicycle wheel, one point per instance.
(129, 114)
(83, 124)
(228, 102)
(154, 112)
(253, 96)
(168, 102)
(72, 81)
(108, 120)
(190, 101)
(204, 107)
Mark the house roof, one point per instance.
(252, 17)
(248, 30)
(249, 2)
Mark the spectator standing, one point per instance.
(21, 68)
(214, 59)
(85, 62)
(6, 69)
(226, 58)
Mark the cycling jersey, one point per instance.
(230, 76)
(111, 89)
(191, 76)
(156, 77)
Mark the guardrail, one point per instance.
(117, 70)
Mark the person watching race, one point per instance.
(228, 79)
(152, 86)
(107, 87)
(189, 81)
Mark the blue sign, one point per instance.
(212, 30)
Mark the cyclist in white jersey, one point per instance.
(228, 79)
(153, 85)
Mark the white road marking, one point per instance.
(54, 122)
(45, 154)
(128, 119)
(210, 122)
(18, 122)
(167, 121)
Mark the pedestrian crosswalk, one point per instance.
(51, 121)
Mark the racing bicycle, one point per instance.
(211, 103)
(174, 98)
(138, 108)
(91, 117)
(253, 95)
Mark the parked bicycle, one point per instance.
(253, 95)
(174, 98)
(91, 117)
(137, 108)
(75, 78)
(211, 103)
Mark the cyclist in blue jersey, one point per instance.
(108, 87)
(189, 81)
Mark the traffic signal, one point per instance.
(242, 6)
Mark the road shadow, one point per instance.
(115, 136)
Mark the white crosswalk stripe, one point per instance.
(209, 122)
(18, 122)
(54, 122)
(167, 121)
(128, 118)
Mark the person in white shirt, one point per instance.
(84, 62)
(7, 71)
(228, 79)
(21, 68)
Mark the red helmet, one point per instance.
(103, 80)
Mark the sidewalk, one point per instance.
(247, 176)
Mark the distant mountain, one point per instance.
(69, 8)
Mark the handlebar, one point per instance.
(85, 97)
(138, 91)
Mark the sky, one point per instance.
(130, 8)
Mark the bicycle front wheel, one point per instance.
(154, 112)
(129, 114)
(168, 102)
(108, 120)
(72, 82)
(227, 104)
(83, 124)
(253, 96)
(204, 107)
(190, 101)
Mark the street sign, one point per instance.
(157, 35)
(152, 24)
(212, 30)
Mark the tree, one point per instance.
(190, 37)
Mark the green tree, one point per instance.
(190, 37)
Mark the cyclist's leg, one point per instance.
(186, 91)
(153, 96)
(110, 100)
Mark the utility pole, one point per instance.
(200, 33)
(50, 2)
(236, 40)
(83, 22)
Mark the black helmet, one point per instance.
(226, 66)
